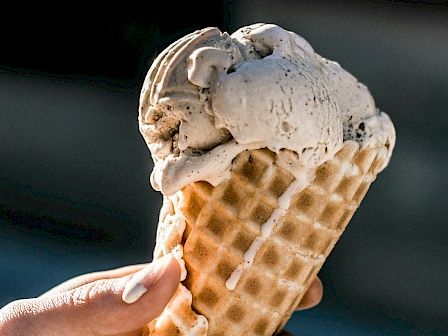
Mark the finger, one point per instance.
(313, 296)
(97, 308)
(91, 277)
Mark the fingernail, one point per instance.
(144, 279)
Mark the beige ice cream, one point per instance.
(211, 96)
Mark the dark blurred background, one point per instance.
(74, 191)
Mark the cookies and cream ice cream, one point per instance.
(209, 96)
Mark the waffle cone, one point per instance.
(213, 228)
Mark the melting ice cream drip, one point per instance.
(302, 179)
(169, 238)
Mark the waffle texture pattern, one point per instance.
(213, 227)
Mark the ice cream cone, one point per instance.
(263, 151)
(221, 224)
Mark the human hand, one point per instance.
(92, 304)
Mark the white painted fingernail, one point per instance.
(144, 279)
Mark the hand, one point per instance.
(92, 304)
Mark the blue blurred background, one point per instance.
(74, 190)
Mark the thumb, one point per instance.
(100, 308)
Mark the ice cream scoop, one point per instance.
(210, 96)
